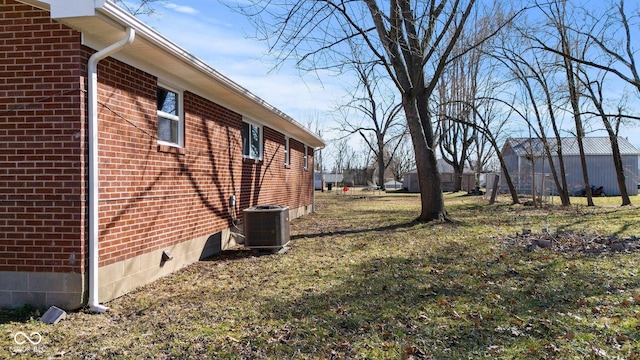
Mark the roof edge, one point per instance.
(61, 9)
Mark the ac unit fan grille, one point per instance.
(266, 226)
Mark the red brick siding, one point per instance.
(149, 199)
(41, 143)
(270, 182)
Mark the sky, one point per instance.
(220, 37)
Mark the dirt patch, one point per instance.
(572, 242)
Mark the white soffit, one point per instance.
(105, 24)
(67, 8)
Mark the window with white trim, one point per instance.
(170, 120)
(306, 157)
(251, 141)
(286, 151)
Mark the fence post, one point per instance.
(494, 191)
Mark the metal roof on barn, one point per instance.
(592, 146)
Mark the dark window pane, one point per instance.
(245, 139)
(167, 101)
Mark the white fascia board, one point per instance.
(106, 10)
(145, 31)
(72, 8)
(60, 9)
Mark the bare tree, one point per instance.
(403, 161)
(540, 103)
(413, 40)
(483, 150)
(611, 32)
(558, 17)
(139, 7)
(344, 157)
(492, 129)
(381, 125)
(594, 92)
(457, 93)
(455, 138)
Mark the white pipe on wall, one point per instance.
(92, 66)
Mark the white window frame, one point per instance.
(305, 162)
(260, 140)
(287, 151)
(178, 118)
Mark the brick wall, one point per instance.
(152, 197)
(41, 143)
(275, 183)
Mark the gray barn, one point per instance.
(520, 153)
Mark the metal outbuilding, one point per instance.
(520, 154)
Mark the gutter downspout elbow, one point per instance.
(92, 70)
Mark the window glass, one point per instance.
(286, 151)
(251, 141)
(169, 120)
(245, 139)
(167, 101)
(168, 130)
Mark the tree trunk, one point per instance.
(457, 179)
(574, 96)
(381, 167)
(429, 181)
(595, 94)
(585, 175)
(507, 177)
(617, 162)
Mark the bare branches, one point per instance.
(381, 125)
(604, 34)
(140, 7)
(412, 40)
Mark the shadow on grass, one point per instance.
(440, 306)
(355, 231)
(626, 217)
(20, 315)
(230, 255)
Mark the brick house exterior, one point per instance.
(152, 194)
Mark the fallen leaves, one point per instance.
(349, 289)
(573, 242)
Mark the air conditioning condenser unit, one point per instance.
(266, 227)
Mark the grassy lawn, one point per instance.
(362, 280)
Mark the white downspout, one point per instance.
(92, 65)
(313, 200)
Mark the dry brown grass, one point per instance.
(362, 280)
